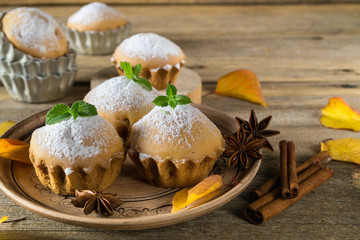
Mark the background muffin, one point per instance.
(34, 32)
(96, 28)
(36, 64)
(160, 58)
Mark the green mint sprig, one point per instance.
(61, 112)
(133, 74)
(171, 99)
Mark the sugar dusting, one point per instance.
(95, 11)
(37, 30)
(175, 126)
(149, 45)
(78, 139)
(120, 93)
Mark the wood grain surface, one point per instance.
(302, 54)
(167, 2)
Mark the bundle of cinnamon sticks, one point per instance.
(291, 185)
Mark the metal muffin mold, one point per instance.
(96, 42)
(38, 89)
(40, 67)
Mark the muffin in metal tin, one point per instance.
(36, 64)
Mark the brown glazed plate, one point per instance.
(146, 206)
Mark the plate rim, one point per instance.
(134, 223)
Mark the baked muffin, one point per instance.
(34, 32)
(160, 58)
(86, 153)
(36, 64)
(96, 28)
(122, 102)
(175, 147)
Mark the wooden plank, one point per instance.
(172, 2)
(322, 214)
(283, 43)
(302, 54)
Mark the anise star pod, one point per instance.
(240, 148)
(102, 203)
(258, 129)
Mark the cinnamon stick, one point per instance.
(322, 157)
(271, 196)
(259, 214)
(292, 173)
(285, 189)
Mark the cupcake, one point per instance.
(36, 64)
(175, 145)
(76, 153)
(122, 102)
(160, 58)
(96, 28)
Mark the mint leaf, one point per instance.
(134, 75)
(161, 101)
(58, 113)
(144, 83)
(172, 103)
(126, 67)
(171, 99)
(182, 99)
(171, 90)
(137, 69)
(84, 109)
(61, 112)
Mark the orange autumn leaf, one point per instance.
(345, 149)
(197, 195)
(338, 114)
(15, 150)
(242, 84)
(4, 126)
(3, 219)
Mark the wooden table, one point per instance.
(302, 54)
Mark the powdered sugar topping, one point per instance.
(148, 46)
(120, 93)
(37, 30)
(76, 140)
(95, 11)
(179, 126)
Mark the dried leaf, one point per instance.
(15, 150)
(4, 126)
(346, 149)
(242, 84)
(203, 192)
(338, 114)
(3, 219)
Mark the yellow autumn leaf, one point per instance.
(3, 219)
(345, 149)
(4, 126)
(15, 150)
(201, 193)
(242, 84)
(338, 114)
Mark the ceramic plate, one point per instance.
(146, 206)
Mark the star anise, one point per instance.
(258, 129)
(240, 148)
(102, 203)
